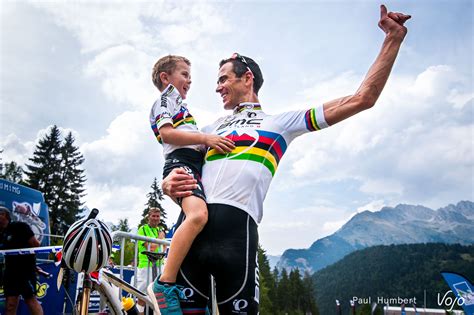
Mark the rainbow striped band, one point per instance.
(267, 150)
(314, 119)
(181, 118)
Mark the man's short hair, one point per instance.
(166, 64)
(7, 212)
(240, 69)
(153, 210)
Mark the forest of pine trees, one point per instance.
(283, 293)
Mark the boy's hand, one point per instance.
(220, 144)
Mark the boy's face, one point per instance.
(180, 78)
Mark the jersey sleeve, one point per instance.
(161, 113)
(296, 123)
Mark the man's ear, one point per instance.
(249, 78)
(164, 77)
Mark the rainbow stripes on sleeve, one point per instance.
(268, 149)
(181, 118)
(314, 119)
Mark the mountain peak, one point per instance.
(402, 224)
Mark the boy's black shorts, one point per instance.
(191, 160)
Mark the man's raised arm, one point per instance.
(369, 91)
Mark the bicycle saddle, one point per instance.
(152, 256)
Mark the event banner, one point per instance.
(26, 205)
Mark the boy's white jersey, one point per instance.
(170, 109)
(242, 177)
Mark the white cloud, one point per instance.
(125, 73)
(382, 187)
(372, 206)
(408, 134)
(14, 149)
(91, 23)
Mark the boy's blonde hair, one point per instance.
(166, 64)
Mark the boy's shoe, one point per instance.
(167, 298)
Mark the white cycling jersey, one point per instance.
(170, 109)
(242, 177)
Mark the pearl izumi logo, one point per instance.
(240, 305)
(188, 292)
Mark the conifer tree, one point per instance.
(309, 295)
(121, 226)
(71, 191)
(12, 172)
(55, 171)
(266, 282)
(155, 196)
(283, 288)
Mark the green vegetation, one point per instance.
(284, 293)
(405, 271)
(155, 196)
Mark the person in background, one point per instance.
(19, 277)
(144, 269)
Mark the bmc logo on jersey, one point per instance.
(240, 122)
(240, 305)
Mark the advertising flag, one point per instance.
(462, 289)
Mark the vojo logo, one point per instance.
(41, 290)
(240, 305)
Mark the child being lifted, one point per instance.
(175, 128)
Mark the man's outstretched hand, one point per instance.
(392, 22)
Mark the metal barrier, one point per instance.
(125, 235)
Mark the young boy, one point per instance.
(176, 130)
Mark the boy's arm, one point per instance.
(177, 137)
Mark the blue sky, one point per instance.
(85, 66)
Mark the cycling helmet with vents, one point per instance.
(87, 245)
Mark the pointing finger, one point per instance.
(383, 11)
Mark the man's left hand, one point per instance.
(392, 22)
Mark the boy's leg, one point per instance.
(192, 281)
(196, 218)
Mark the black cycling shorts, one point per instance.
(18, 282)
(227, 249)
(190, 160)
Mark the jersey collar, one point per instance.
(173, 93)
(247, 106)
(170, 91)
